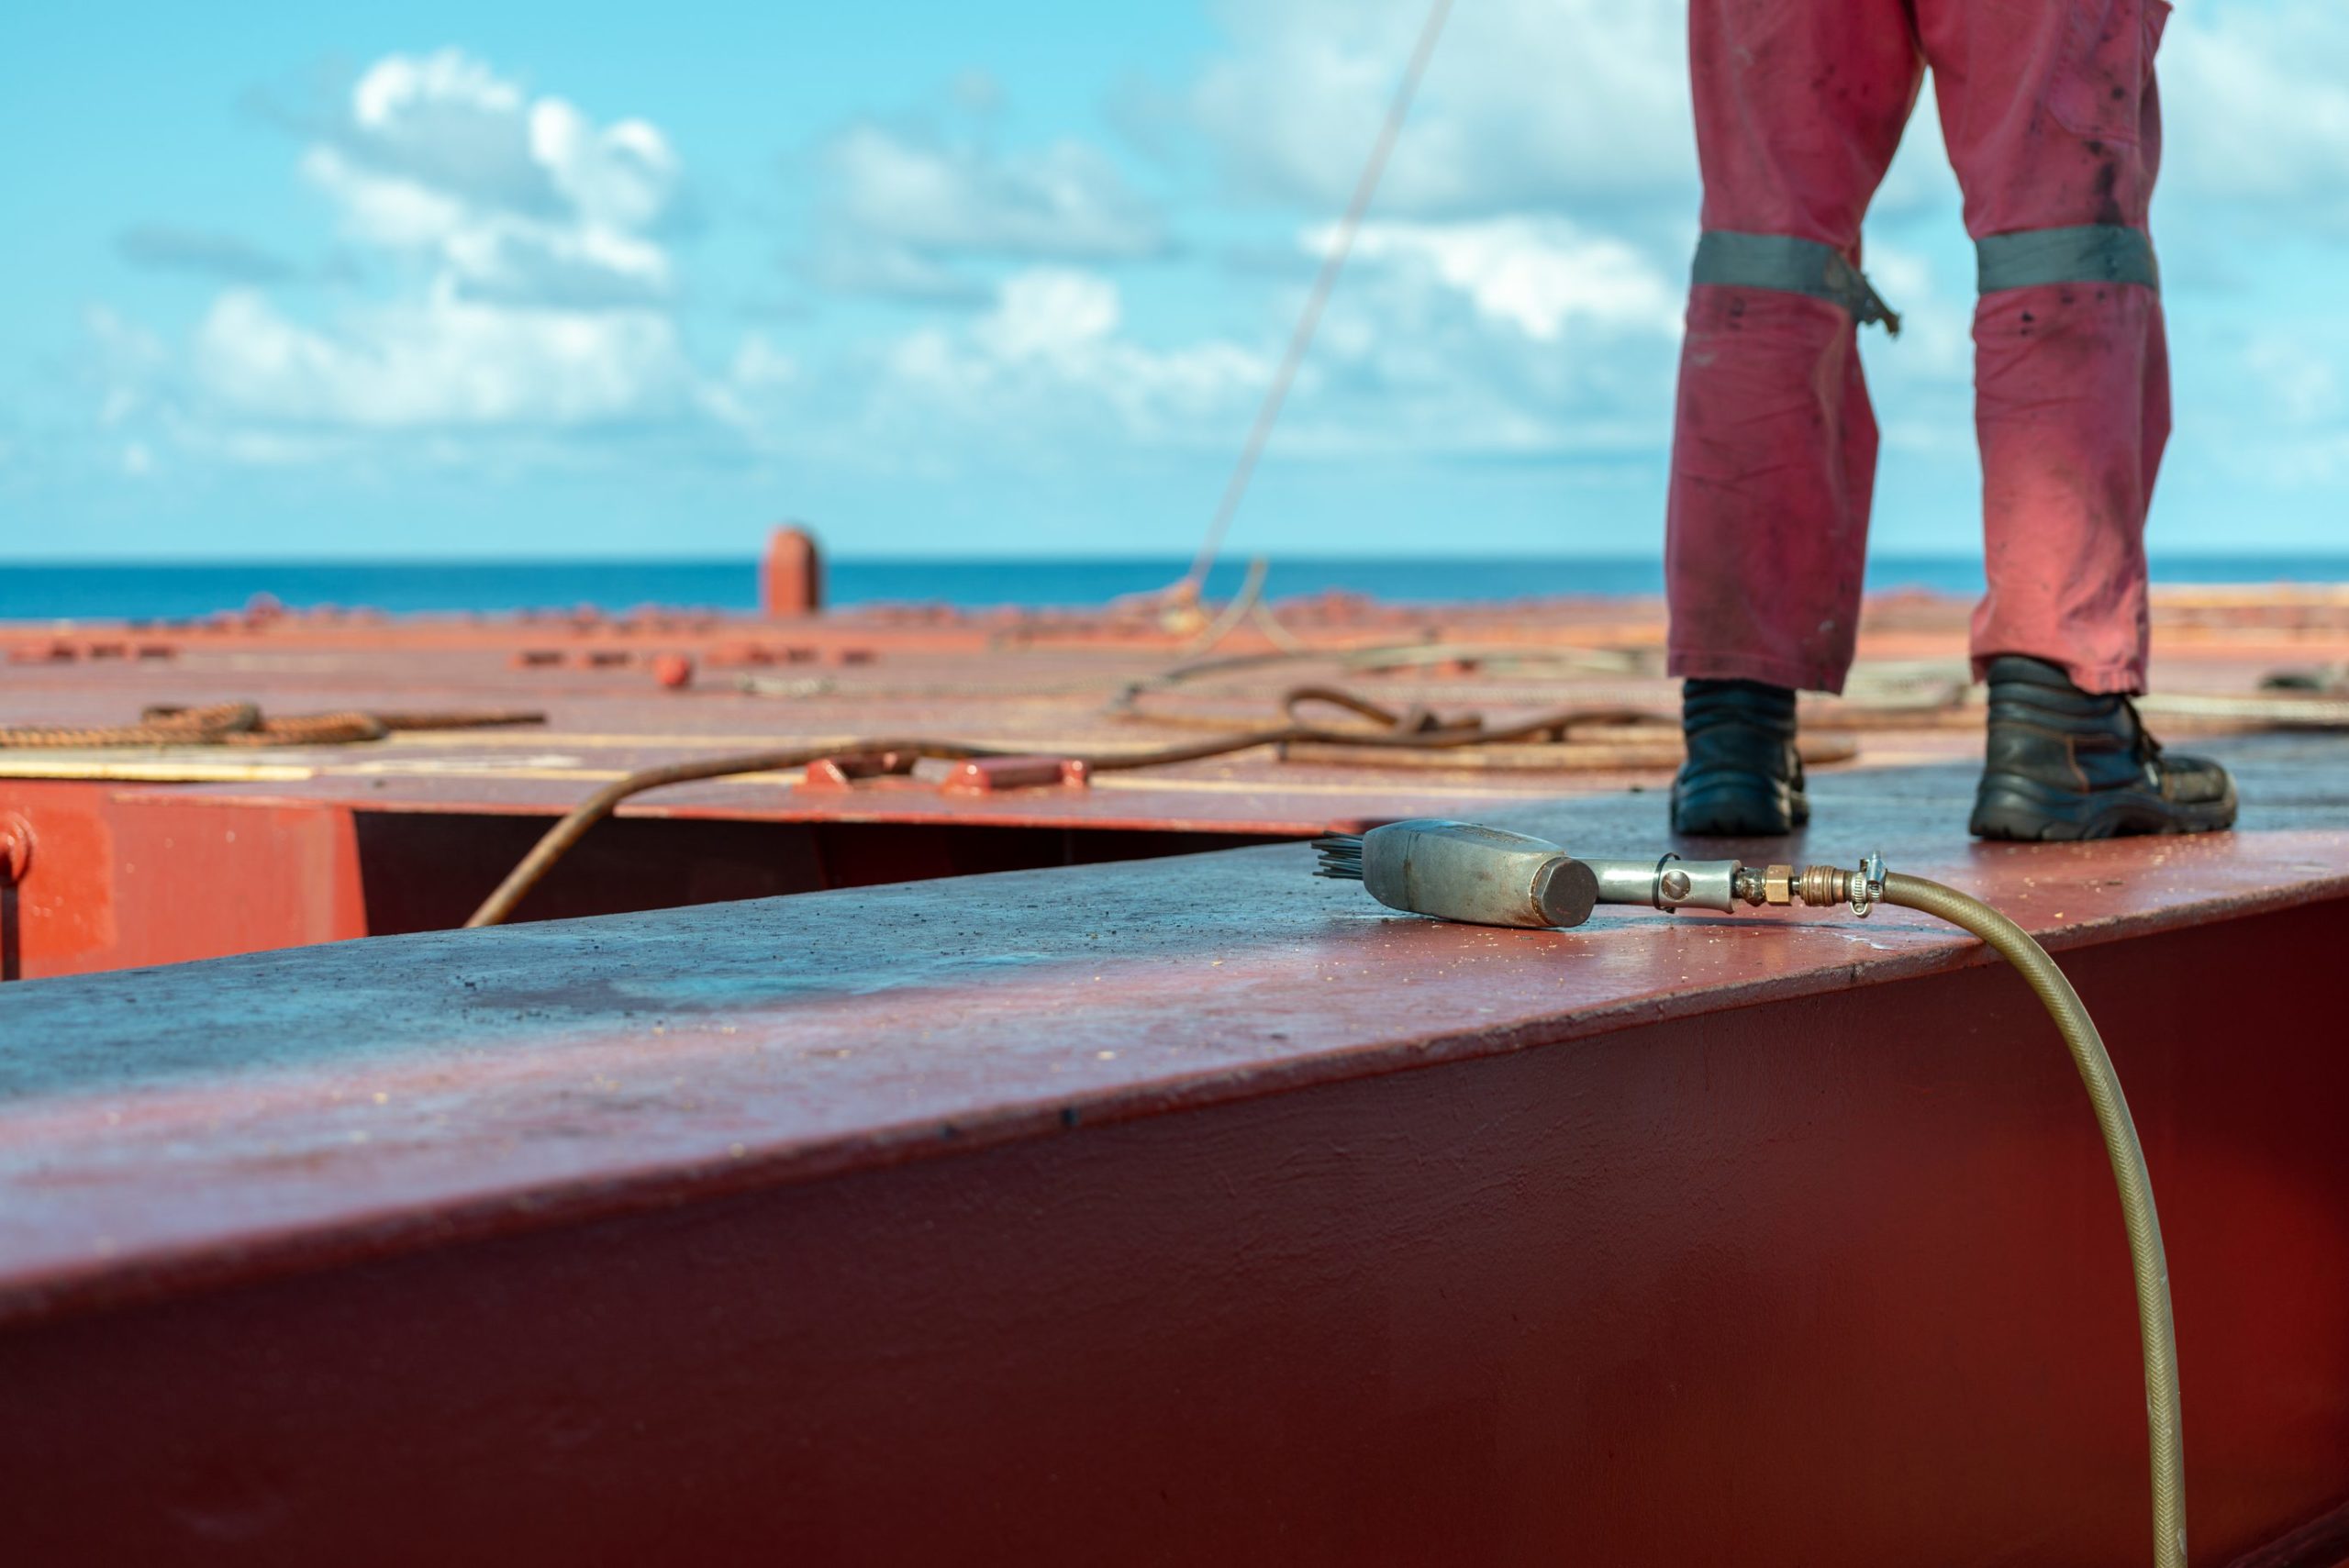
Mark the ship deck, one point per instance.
(410, 832)
(1179, 1206)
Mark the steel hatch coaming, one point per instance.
(846, 1026)
(134, 877)
(1815, 1281)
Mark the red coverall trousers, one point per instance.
(2049, 110)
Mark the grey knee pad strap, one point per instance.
(2092, 253)
(1792, 266)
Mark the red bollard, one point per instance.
(791, 581)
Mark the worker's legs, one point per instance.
(2053, 127)
(1800, 105)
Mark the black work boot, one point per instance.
(2064, 763)
(1742, 779)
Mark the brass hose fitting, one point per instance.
(1815, 886)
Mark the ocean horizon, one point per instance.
(52, 591)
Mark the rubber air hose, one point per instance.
(2155, 1325)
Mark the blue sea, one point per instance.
(91, 592)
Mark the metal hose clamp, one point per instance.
(1867, 884)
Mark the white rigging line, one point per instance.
(1268, 414)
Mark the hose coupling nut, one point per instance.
(1822, 885)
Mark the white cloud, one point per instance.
(1516, 337)
(449, 123)
(492, 254)
(447, 361)
(623, 176)
(2255, 100)
(531, 293)
(1067, 201)
(1528, 102)
(384, 210)
(1540, 275)
(517, 199)
(1051, 315)
(1520, 288)
(1050, 358)
(901, 211)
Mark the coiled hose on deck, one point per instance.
(2152, 1268)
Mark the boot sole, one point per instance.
(2023, 811)
(1738, 810)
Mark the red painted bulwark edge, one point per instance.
(169, 880)
(1181, 1212)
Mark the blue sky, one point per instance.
(595, 279)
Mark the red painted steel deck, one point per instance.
(143, 857)
(1158, 1210)
(1195, 1211)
